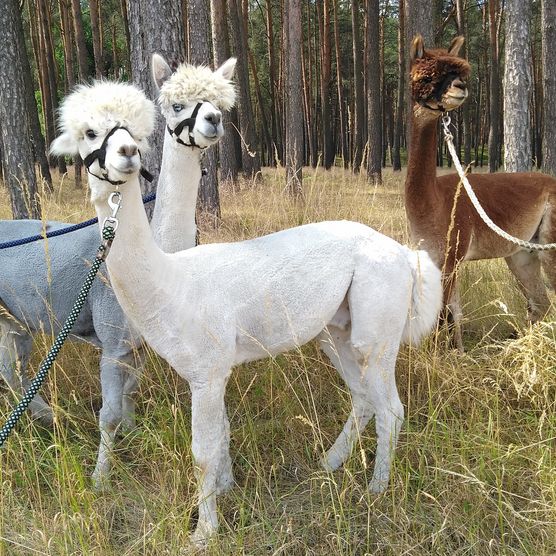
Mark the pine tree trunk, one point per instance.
(80, 44)
(97, 41)
(517, 87)
(494, 139)
(396, 149)
(326, 76)
(374, 118)
(273, 85)
(466, 109)
(294, 119)
(221, 46)
(153, 27)
(358, 86)
(342, 112)
(200, 52)
(17, 151)
(548, 27)
(249, 145)
(37, 138)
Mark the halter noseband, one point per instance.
(190, 124)
(100, 155)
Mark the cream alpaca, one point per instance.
(173, 221)
(211, 307)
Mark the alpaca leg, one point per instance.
(453, 313)
(335, 343)
(225, 478)
(526, 267)
(15, 347)
(547, 234)
(110, 417)
(377, 324)
(389, 414)
(208, 446)
(132, 374)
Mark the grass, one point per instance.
(475, 471)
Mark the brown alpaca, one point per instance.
(523, 204)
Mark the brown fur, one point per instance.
(523, 204)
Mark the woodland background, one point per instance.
(320, 82)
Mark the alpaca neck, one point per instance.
(135, 262)
(173, 221)
(420, 183)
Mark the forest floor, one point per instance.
(475, 469)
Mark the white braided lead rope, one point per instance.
(449, 138)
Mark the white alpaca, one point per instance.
(190, 89)
(211, 307)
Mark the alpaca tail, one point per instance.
(426, 298)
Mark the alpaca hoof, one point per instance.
(378, 486)
(198, 540)
(44, 415)
(225, 483)
(330, 463)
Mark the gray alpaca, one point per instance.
(38, 286)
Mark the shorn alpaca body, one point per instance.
(38, 281)
(523, 204)
(209, 308)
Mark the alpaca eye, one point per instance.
(177, 107)
(90, 134)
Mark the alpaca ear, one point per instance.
(226, 70)
(161, 70)
(455, 46)
(64, 144)
(417, 48)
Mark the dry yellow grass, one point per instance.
(475, 471)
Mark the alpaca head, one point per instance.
(107, 123)
(192, 99)
(438, 76)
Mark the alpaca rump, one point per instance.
(522, 204)
(208, 308)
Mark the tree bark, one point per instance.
(80, 44)
(326, 74)
(154, 27)
(517, 87)
(466, 109)
(358, 87)
(294, 118)
(494, 138)
(200, 52)
(374, 118)
(341, 109)
(97, 40)
(548, 26)
(17, 151)
(249, 145)
(221, 46)
(396, 149)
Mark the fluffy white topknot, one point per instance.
(105, 104)
(195, 84)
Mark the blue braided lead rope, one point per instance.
(66, 230)
(42, 373)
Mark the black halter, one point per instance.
(100, 155)
(190, 124)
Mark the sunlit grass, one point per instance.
(475, 471)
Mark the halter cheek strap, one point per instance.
(100, 155)
(190, 124)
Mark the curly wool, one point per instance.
(103, 104)
(195, 84)
(429, 73)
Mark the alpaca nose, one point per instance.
(128, 150)
(213, 117)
